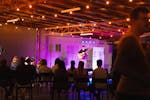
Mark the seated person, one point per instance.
(81, 73)
(55, 67)
(43, 68)
(99, 73)
(61, 77)
(72, 71)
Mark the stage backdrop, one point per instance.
(66, 48)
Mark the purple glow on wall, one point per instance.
(69, 47)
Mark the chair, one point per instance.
(100, 85)
(44, 78)
(81, 84)
(60, 84)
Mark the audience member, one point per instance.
(100, 73)
(55, 67)
(43, 68)
(131, 63)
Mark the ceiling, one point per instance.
(110, 16)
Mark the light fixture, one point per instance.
(107, 2)
(87, 6)
(1, 24)
(36, 29)
(13, 20)
(109, 22)
(127, 19)
(130, 0)
(119, 30)
(55, 15)
(31, 16)
(123, 33)
(100, 37)
(30, 6)
(148, 20)
(94, 24)
(70, 12)
(43, 17)
(57, 26)
(6, 23)
(85, 34)
(28, 28)
(68, 24)
(16, 27)
(18, 9)
(111, 36)
(22, 19)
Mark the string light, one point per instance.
(43, 17)
(31, 16)
(109, 22)
(70, 12)
(94, 24)
(1, 25)
(130, 0)
(148, 20)
(68, 24)
(28, 28)
(123, 33)
(22, 19)
(87, 6)
(16, 27)
(6, 23)
(119, 30)
(36, 29)
(55, 15)
(100, 37)
(107, 2)
(13, 22)
(111, 36)
(30, 6)
(18, 9)
(127, 19)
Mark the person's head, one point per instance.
(61, 65)
(3, 62)
(83, 47)
(139, 20)
(57, 60)
(81, 65)
(43, 62)
(99, 63)
(28, 61)
(15, 61)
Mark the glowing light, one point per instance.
(16, 27)
(123, 33)
(130, 0)
(127, 19)
(87, 6)
(43, 17)
(94, 24)
(70, 12)
(36, 29)
(30, 6)
(22, 19)
(31, 16)
(100, 37)
(18, 9)
(29, 28)
(1, 25)
(119, 30)
(111, 36)
(68, 24)
(6, 23)
(13, 22)
(109, 22)
(55, 15)
(107, 2)
(149, 20)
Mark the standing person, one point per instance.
(55, 67)
(43, 68)
(131, 63)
